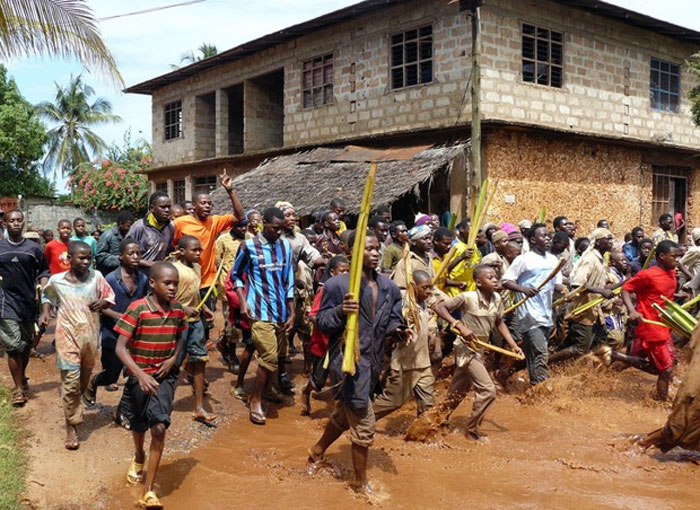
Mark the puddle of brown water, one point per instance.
(551, 452)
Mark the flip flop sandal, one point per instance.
(240, 394)
(90, 396)
(150, 501)
(257, 418)
(72, 444)
(205, 420)
(112, 387)
(18, 398)
(315, 465)
(135, 474)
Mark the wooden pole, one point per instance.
(476, 95)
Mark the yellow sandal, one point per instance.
(135, 473)
(150, 501)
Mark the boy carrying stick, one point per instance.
(482, 311)
(149, 344)
(187, 265)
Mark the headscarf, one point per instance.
(284, 205)
(422, 219)
(508, 228)
(695, 234)
(419, 232)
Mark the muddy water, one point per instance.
(561, 447)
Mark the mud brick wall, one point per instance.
(578, 178)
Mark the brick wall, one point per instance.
(605, 91)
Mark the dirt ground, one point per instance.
(564, 445)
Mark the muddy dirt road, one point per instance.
(563, 446)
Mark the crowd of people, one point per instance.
(143, 296)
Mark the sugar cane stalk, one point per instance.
(650, 257)
(352, 351)
(569, 296)
(445, 262)
(486, 345)
(591, 304)
(539, 287)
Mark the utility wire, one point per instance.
(154, 9)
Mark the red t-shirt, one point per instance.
(650, 285)
(56, 252)
(318, 345)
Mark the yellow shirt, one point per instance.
(464, 271)
(188, 287)
(342, 228)
(226, 250)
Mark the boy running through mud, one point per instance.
(379, 307)
(481, 313)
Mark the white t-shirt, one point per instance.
(530, 270)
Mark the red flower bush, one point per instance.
(110, 185)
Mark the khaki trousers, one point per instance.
(73, 384)
(400, 385)
(471, 372)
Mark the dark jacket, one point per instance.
(107, 257)
(357, 391)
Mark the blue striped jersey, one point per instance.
(266, 272)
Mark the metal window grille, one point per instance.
(317, 81)
(204, 184)
(162, 186)
(173, 120)
(542, 56)
(664, 85)
(412, 57)
(179, 191)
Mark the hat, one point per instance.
(498, 235)
(488, 226)
(599, 233)
(695, 234)
(422, 219)
(284, 205)
(31, 234)
(515, 235)
(525, 224)
(508, 228)
(419, 232)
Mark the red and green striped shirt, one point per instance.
(152, 332)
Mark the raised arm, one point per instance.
(227, 183)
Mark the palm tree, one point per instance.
(206, 50)
(71, 141)
(64, 28)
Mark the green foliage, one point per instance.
(73, 114)
(13, 465)
(693, 65)
(206, 50)
(138, 152)
(22, 137)
(110, 185)
(58, 28)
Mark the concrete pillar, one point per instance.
(171, 189)
(221, 110)
(188, 187)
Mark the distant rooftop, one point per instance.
(605, 9)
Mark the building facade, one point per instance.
(585, 107)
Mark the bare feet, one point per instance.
(306, 401)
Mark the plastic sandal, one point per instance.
(135, 474)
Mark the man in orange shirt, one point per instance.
(206, 227)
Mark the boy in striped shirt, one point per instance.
(149, 343)
(263, 277)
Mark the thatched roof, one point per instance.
(309, 180)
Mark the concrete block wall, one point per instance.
(205, 126)
(47, 216)
(605, 91)
(606, 74)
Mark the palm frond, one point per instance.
(64, 28)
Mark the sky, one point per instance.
(146, 44)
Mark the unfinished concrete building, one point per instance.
(584, 105)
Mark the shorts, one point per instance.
(660, 353)
(360, 422)
(16, 336)
(139, 411)
(195, 345)
(267, 338)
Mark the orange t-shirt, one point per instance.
(206, 231)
